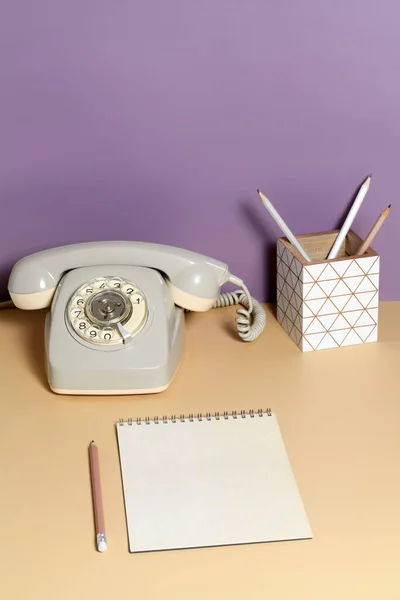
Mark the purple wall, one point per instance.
(158, 120)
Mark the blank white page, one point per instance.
(208, 483)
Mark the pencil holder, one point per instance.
(327, 303)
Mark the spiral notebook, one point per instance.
(210, 480)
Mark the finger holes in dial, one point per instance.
(93, 333)
(128, 289)
(79, 310)
(82, 325)
(115, 283)
(107, 334)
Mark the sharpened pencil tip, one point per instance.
(389, 205)
(258, 191)
(367, 181)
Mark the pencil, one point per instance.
(282, 225)
(101, 539)
(350, 218)
(376, 227)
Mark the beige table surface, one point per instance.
(339, 413)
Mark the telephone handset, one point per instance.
(116, 319)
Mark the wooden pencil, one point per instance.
(376, 227)
(101, 539)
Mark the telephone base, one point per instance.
(109, 392)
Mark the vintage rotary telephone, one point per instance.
(116, 320)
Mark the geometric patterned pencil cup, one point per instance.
(327, 303)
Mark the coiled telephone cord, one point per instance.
(251, 319)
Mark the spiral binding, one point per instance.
(199, 417)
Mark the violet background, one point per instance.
(158, 120)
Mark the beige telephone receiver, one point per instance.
(116, 320)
